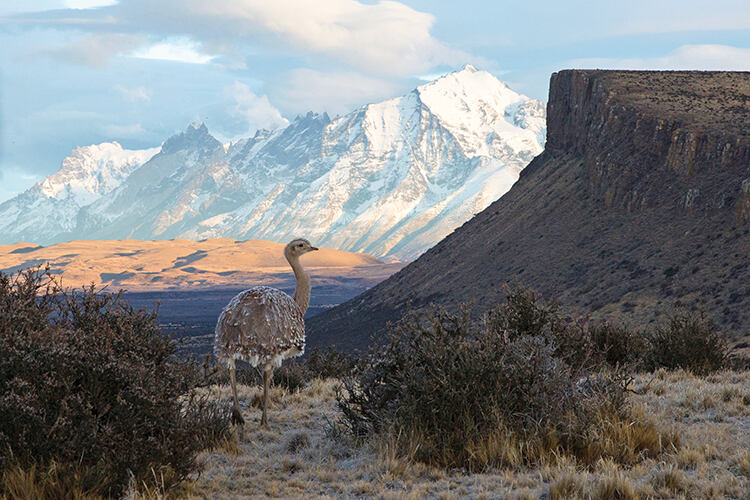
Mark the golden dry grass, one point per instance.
(41, 482)
(302, 454)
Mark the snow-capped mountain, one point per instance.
(48, 210)
(389, 179)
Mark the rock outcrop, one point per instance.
(639, 203)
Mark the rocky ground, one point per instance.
(304, 454)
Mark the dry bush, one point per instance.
(298, 441)
(91, 385)
(329, 363)
(689, 341)
(618, 345)
(516, 388)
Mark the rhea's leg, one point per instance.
(236, 411)
(266, 387)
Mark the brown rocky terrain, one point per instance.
(179, 264)
(639, 203)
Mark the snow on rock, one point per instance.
(389, 179)
(47, 211)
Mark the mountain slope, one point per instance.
(389, 179)
(640, 200)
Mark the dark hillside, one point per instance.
(640, 200)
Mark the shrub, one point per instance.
(618, 345)
(296, 373)
(517, 387)
(689, 341)
(329, 363)
(90, 383)
(292, 376)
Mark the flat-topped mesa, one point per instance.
(633, 127)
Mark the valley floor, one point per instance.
(302, 455)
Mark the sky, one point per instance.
(80, 72)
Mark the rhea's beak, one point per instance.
(313, 248)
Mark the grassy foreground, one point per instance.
(302, 454)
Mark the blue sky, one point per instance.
(79, 72)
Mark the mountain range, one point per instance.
(389, 179)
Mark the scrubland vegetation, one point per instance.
(93, 400)
(519, 401)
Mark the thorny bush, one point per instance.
(90, 384)
(689, 341)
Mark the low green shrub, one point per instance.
(329, 363)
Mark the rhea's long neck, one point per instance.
(302, 291)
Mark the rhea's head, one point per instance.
(297, 247)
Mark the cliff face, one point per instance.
(634, 128)
(640, 201)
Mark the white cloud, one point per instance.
(256, 111)
(687, 57)
(96, 50)
(178, 49)
(135, 94)
(386, 38)
(335, 92)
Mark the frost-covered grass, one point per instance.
(302, 454)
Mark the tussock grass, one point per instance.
(616, 486)
(54, 481)
(567, 486)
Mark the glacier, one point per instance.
(389, 179)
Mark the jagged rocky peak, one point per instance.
(91, 171)
(307, 123)
(479, 108)
(312, 116)
(195, 137)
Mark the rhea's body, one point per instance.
(262, 326)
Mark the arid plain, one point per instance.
(139, 266)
